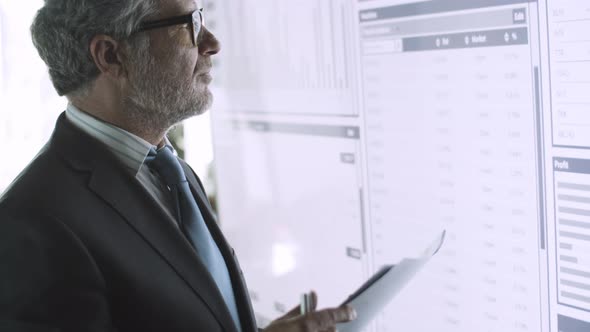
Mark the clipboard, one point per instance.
(374, 295)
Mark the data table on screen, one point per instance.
(569, 51)
(466, 111)
(304, 68)
(572, 220)
(452, 118)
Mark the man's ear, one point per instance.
(107, 55)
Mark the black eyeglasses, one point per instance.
(194, 20)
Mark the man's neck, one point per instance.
(115, 115)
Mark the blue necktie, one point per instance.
(193, 225)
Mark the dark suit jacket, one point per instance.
(84, 247)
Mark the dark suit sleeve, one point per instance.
(48, 280)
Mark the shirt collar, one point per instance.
(129, 148)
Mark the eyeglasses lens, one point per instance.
(197, 25)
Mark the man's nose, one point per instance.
(209, 45)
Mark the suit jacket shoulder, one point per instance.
(50, 282)
(79, 232)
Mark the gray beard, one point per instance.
(158, 99)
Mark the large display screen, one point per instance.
(348, 133)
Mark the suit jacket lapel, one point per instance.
(237, 278)
(122, 192)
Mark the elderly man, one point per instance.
(107, 230)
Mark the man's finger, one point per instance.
(297, 310)
(328, 318)
(314, 301)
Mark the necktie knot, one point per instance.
(167, 165)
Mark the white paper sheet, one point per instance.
(371, 300)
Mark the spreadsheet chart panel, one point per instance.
(348, 134)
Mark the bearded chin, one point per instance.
(157, 101)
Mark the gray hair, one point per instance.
(63, 29)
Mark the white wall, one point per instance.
(28, 102)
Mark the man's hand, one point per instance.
(314, 321)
